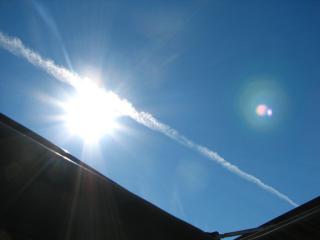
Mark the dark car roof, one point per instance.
(46, 193)
(302, 222)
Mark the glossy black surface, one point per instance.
(302, 222)
(48, 194)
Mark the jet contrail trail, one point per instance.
(16, 47)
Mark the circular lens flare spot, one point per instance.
(263, 110)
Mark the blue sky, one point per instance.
(201, 67)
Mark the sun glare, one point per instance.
(91, 113)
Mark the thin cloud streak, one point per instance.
(49, 21)
(149, 121)
(16, 47)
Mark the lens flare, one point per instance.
(263, 110)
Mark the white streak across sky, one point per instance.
(16, 47)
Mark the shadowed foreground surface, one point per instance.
(300, 223)
(47, 193)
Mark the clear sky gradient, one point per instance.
(200, 66)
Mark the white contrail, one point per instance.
(15, 46)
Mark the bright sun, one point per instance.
(91, 113)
